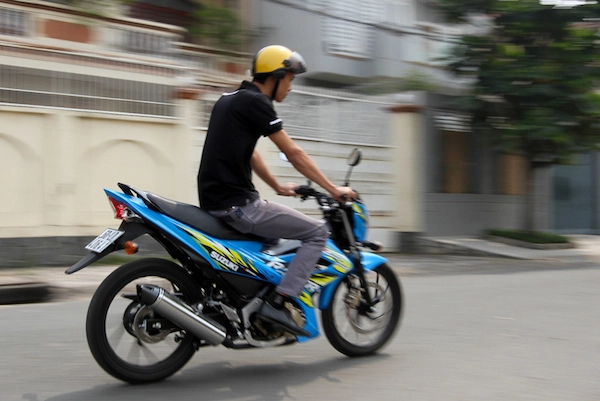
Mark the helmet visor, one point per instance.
(295, 63)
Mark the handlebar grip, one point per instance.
(305, 190)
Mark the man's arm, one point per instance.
(261, 169)
(306, 166)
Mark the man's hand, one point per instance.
(288, 189)
(343, 194)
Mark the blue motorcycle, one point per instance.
(149, 316)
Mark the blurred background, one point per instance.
(93, 93)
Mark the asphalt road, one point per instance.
(508, 330)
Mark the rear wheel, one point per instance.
(354, 328)
(127, 339)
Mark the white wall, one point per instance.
(55, 164)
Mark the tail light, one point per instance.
(122, 212)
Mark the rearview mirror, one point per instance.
(354, 158)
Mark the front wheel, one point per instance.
(356, 329)
(127, 339)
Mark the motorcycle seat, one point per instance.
(197, 218)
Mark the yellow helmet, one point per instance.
(277, 60)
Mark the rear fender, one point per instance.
(132, 231)
(370, 261)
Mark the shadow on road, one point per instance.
(222, 381)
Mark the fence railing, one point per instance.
(337, 116)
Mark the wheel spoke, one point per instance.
(117, 335)
(150, 356)
(134, 352)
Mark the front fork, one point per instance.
(357, 261)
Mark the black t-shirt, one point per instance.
(237, 121)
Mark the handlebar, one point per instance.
(306, 191)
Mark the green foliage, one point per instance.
(94, 7)
(534, 73)
(415, 80)
(535, 237)
(458, 11)
(219, 26)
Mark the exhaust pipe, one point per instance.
(181, 314)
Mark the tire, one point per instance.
(357, 333)
(138, 357)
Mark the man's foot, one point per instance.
(279, 315)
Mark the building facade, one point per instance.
(457, 185)
(89, 100)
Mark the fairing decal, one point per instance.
(360, 216)
(320, 279)
(360, 211)
(306, 298)
(340, 262)
(370, 261)
(225, 258)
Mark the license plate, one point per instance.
(104, 240)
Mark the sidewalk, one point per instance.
(25, 285)
(586, 246)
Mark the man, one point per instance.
(225, 186)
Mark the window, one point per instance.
(365, 11)
(347, 38)
(148, 43)
(13, 22)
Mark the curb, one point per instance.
(441, 246)
(529, 245)
(27, 292)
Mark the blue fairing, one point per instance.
(360, 217)
(370, 261)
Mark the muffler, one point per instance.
(180, 313)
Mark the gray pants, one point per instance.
(273, 220)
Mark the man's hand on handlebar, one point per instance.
(343, 194)
(288, 189)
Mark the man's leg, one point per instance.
(270, 219)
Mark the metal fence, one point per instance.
(337, 116)
(21, 86)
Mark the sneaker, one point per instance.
(281, 317)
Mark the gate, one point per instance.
(574, 195)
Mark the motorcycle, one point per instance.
(148, 317)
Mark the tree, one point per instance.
(219, 26)
(535, 73)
